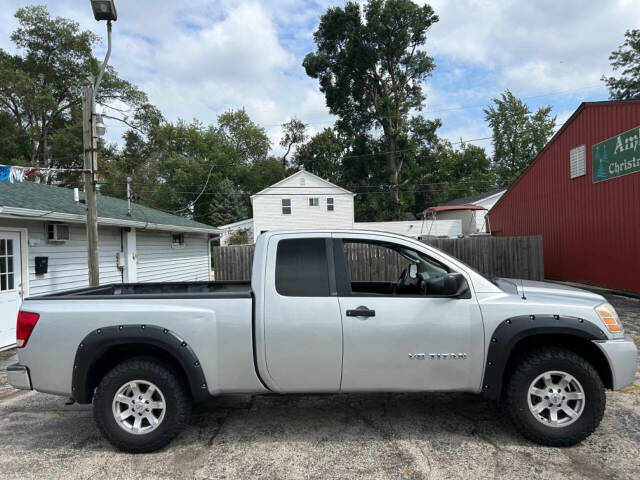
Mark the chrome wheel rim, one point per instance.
(556, 399)
(138, 407)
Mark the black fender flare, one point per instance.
(515, 329)
(99, 341)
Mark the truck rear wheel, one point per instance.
(555, 397)
(141, 405)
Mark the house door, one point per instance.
(10, 286)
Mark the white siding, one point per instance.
(486, 203)
(267, 205)
(415, 229)
(68, 260)
(159, 262)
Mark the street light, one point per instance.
(104, 10)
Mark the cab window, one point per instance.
(302, 269)
(378, 268)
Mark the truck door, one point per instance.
(302, 324)
(396, 337)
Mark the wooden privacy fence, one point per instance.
(515, 257)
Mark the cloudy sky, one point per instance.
(199, 58)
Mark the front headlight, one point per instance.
(609, 317)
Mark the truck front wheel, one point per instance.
(555, 397)
(141, 405)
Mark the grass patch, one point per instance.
(636, 338)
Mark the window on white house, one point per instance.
(314, 202)
(57, 232)
(329, 204)
(577, 161)
(177, 240)
(286, 206)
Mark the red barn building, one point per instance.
(582, 194)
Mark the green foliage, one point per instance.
(626, 60)
(239, 237)
(228, 206)
(322, 155)
(205, 172)
(293, 133)
(249, 140)
(370, 66)
(518, 135)
(40, 89)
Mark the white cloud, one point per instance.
(542, 45)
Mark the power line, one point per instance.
(199, 195)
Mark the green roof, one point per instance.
(38, 196)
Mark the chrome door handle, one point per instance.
(361, 311)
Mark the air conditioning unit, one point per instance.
(57, 233)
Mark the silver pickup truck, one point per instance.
(314, 320)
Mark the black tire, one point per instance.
(544, 360)
(176, 396)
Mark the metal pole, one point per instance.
(103, 66)
(90, 177)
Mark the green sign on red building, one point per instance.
(617, 156)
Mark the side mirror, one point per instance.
(452, 285)
(455, 285)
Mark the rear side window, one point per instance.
(302, 269)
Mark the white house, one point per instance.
(302, 201)
(43, 246)
(306, 201)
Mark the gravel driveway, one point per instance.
(412, 436)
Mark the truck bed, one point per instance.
(228, 289)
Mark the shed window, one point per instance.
(286, 206)
(177, 240)
(577, 161)
(329, 204)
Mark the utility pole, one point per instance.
(90, 180)
(102, 10)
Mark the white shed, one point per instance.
(242, 228)
(302, 201)
(486, 200)
(43, 246)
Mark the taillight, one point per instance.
(26, 322)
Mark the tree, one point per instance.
(228, 206)
(293, 133)
(41, 88)
(518, 135)
(371, 67)
(322, 156)
(626, 60)
(248, 139)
